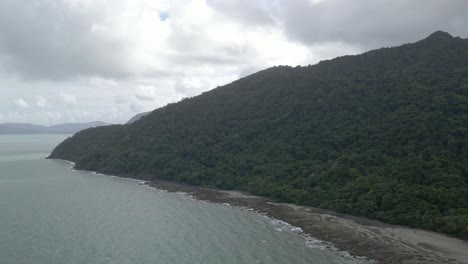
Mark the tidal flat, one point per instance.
(361, 237)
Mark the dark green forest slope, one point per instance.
(383, 135)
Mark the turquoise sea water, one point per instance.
(52, 214)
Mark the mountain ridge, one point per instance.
(137, 117)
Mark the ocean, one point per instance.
(50, 214)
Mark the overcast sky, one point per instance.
(85, 60)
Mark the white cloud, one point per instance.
(100, 59)
(120, 99)
(41, 102)
(146, 92)
(98, 28)
(137, 107)
(20, 102)
(69, 99)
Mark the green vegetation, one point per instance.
(382, 135)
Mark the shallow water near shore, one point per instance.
(52, 214)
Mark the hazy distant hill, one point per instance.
(383, 135)
(68, 128)
(137, 117)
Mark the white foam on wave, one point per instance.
(313, 242)
(71, 163)
(67, 161)
(309, 241)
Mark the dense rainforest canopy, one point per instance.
(383, 135)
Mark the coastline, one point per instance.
(359, 236)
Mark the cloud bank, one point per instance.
(83, 60)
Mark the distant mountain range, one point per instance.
(68, 128)
(137, 117)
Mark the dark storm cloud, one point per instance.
(364, 23)
(51, 40)
(371, 24)
(194, 47)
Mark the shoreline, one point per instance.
(384, 243)
(377, 241)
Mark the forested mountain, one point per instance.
(383, 135)
(68, 128)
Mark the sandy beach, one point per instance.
(361, 237)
